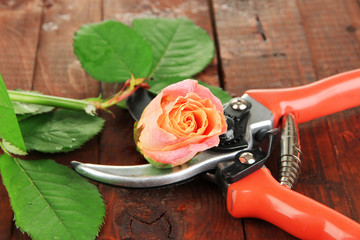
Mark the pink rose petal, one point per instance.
(184, 119)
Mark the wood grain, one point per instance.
(261, 44)
(58, 72)
(334, 47)
(6, 214)
(19, 30)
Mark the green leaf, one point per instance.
(136, 132)
(50, 201)
(122, 104)
(157, 164)
(59, 131)
(12, 149)
(9, 127)
(110, 51)
(29, 108)
(23, 116)
(157, 85)
(180, 47)
(221, 94)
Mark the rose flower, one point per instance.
(184, 119)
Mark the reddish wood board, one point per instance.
(260, 44)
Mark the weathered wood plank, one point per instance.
(193, 210)
(58, 72)
(335, 47)
(6, 214)
(19, 30)
(262, 44)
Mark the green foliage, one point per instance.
(9, 127)
(158, 165)
(180, 48)
(11, 148)
(29, 108)
(59, 131)
(136, 132)
(161, 48)
(157, 85)
(110, 51)
(218, 92)
(122, 104)
(50, 201)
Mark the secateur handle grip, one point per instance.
(259, 195)
(314, 100)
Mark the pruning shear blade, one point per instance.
(146, 175)
(241, 155)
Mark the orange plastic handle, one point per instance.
(314, 100)
(259, 195)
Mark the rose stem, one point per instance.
(28, 97)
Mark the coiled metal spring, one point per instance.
(290, 153)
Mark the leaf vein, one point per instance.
(166, 48)
(112, 48)
(43, 197)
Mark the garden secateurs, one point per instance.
(237, 164)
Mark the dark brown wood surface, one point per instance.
(260, 44)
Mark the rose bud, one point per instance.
(184, 119)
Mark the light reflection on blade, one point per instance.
(144, 176)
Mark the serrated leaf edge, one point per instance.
(91, 26)
(10, 148)
(42, 196)
(31, 181)
(68, 149)
(184, 20)
(163, 53)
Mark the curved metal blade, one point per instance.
(144, 176)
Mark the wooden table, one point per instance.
(260, 44)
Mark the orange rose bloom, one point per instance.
(184, 119)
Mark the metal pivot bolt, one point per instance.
(238, 104)
(247, 158)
